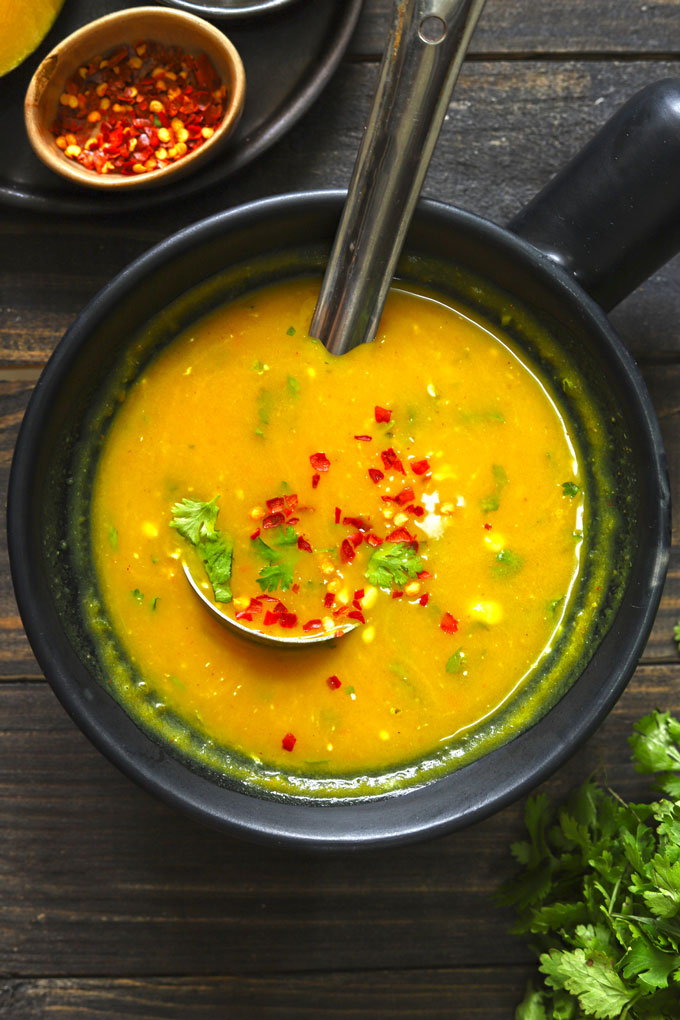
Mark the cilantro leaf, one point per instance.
(195, 521)
(392, 564)
(275, 575)
(570, 489)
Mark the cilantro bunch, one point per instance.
(598, 893)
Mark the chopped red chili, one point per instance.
(488, 527)
(424, 599)
(289, 742)
(356, 539)
(347, 552)
(338, 514)
(400, 535)
(375, 475)
(291, 501)
(140, 109)
(364, 439)
(397, 594)
(255, 534)
(356, 614)
(273, 520)
(382, 414)
(356, 522)
(319, 462)
(391, 461)
(328, 599)
(315, 480)
(287, 620)
(334, 682)
(373, 540)
(448, 624)
(420, 467)
(303, 544)
(405, 496)
(277, 503)
(312, 625)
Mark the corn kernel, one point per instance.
(64, 99)
(161, 154)
(72, 151)
(101, 88)
(61, 142)
(241, 602)
(134, 62)
(105, 103)
(164, 135)
(138, 168)
(149, 529)
(155, 106)
(181, 148)
(207, 132)
(412, 588)
(400, 519)
(333, 585)
(343, 596)
(487, 612)
(327, 567)
(257, 513)
(93, 116)
(447, 509)
(370, 597)
(367, 634)
(328, 623)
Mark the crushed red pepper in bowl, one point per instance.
(139, 109)
(135, 98)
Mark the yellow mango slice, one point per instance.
(24, 24)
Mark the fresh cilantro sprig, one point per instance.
(676, 635)
(598, 893)
(393, 564)
(195, 521)
(279, 569)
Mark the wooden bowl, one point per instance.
(165, 26)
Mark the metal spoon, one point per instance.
(422, 59)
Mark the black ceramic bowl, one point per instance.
(452, 250)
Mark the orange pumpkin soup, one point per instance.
(423, 487)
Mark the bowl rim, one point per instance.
(445, 804)
(119, 24)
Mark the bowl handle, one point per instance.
(611, 217)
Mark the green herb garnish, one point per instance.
(392, 564)
(195, 522)
(676, 635)
(599, 893)
(113, 538)
(492, 501)
(137, 594)
(455, 662)
(570, 489)
(275, 575)
(293, 386)
(507, 564)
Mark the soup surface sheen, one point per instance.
(425, 484)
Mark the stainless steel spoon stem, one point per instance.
(422, 59)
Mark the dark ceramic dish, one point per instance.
(560, 250)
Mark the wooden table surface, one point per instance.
(112, 905)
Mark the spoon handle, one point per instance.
(423, 56)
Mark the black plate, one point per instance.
(288, 58)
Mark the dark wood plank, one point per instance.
(100, 879)
(483, 993)
(560, 26)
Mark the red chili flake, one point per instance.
(303, 544)
(419, 467)
(338, 514)
(417, 511)
(488, 527)
(125, 138)
(328, 599)
(273, 520)
(424, 574)
(356, 522)
(391, 461)
(287, 620)
(424, 599)
(295, 588)
(279, 608)
(382, 414)
(347, 552)
(268, 598)
(293, 520)
(312, 625)
(359, 593)
(341, 610)
(388, 499)
(364, 439)
(405, 496)
(243, 614)
(315, 480)
(397, 594)
(276, 503)
(288, 742)
(291, 500)
(356, 614)
(356, 539)
(375, 475)
(448, 624)
(270, 618)
(319, 462)
(400, 535)
(255, 534)
(334, 682)
(373, 540)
